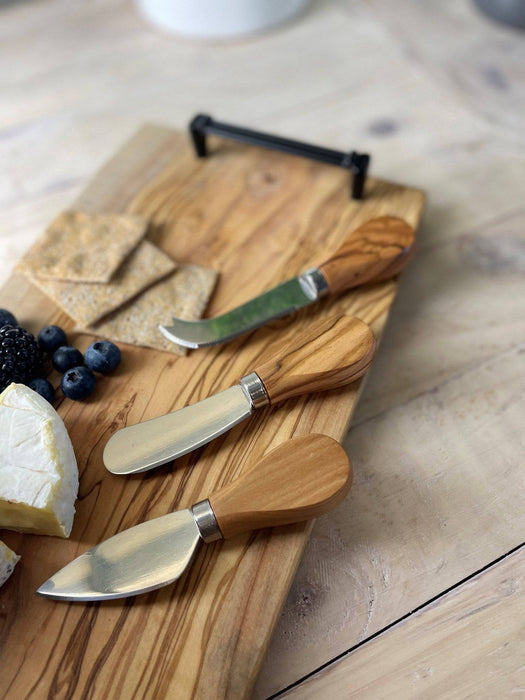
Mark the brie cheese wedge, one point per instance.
(38, 469)
(8, 560)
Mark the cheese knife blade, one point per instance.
(276, 303)
(137, 560)
(298, 480)
(334, 352)
(375, 251)
(147, 445)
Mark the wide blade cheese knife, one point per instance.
(298, 480)
(334, 352)
(375, 251)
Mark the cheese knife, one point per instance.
(333, 352)
(298, 480)
(375, 251)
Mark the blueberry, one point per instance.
(102, 356)
(6, 317)
(65, 357)
(78, 383)
(44, 388)
(51, 337)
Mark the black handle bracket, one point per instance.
(357, 163)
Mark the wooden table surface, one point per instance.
(411, 588)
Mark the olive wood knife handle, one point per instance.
(334, 352)
(298, 480)
(375, 251)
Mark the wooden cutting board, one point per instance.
(258, 218)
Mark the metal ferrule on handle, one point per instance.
(206, 521)
(254, 390)
(314, 284)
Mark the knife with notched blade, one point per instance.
(334, 352)
(374, 252)
(298, 480)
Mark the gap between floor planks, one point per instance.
(404, 618)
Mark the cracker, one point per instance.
(82, 247)
(184, 294)
(87, 302)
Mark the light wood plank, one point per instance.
(467, 644)
(476, 59)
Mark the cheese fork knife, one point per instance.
(375, 251)
(298, 480)
(332, 353)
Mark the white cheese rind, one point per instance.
(38, 469)
(8, 561)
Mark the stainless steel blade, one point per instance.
(140, 447)
(145, 557)
(278, 302)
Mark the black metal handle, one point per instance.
(357, 163)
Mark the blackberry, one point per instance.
(20, 356)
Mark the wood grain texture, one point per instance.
(299, 480)
(376, 251)
(435, 92)
(330, 354)
(466, 644)
(211, 628)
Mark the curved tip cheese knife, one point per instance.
(334, 352)
(375, 251)
(298, 480)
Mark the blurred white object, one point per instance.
(218, 19)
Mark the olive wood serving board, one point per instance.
(258, 218)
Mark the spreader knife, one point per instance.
(334, 352)
(375, 251)
(298, 480)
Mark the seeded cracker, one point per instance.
(184, 294)
(87, 303)
(83, 247)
